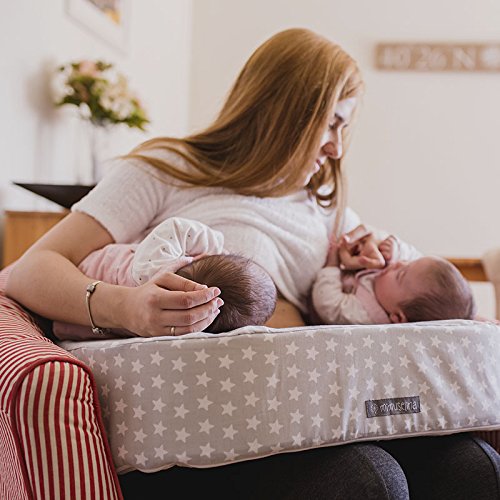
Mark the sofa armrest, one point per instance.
(52, 440)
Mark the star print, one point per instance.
(275, 426)
(204, 403)
(373, 427)
(138, 412)
(156, 358)
(388, 368)
(293, 371)
(330, 345)
(405, 382)
(105, 390)
(138, 389)
(296, 417)
(350, 349)
(297, 439)
(203, 379)
(118, 360)
(420, 347)
(370, 384)
(352, 371)
(369, 363)
(229, 432)
(294, 393)
(158, 405)
(386, 347)
(312, 353)
(353, 393)
(201, 356)
(182, 458)
(272, 381)
(179, 388)
(230, 455)
(291, 349)
(178, 364)
(273, 404)
(404, 361)
(182, 435)
(122, 428)
(225, 362)
(119, 383)
(316, 421)
(205, 426)
(207, 450)
(271, 358)
(228, 409)
(157, 382)
(120, 406)
(368, 342)
(436, 361)
(253, 423)
(389, 390)
(313, 376)
(137, 366)
(139, 435)
(104, 367)
(250, 376)
(332, 366)
(227, 385)
(315, 398)
(122, 452)
(336, 410)
(160, 452)
(334, 388)
(402, 340)
(249, 353)
(435, 341)
(254, 446)
(251, 399)
(180, 411)
(159, 428)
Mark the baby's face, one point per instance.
(401, 281)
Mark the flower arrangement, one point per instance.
(100, 92)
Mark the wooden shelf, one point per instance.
(22, 229)
(472, 269)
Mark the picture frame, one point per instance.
(109, 20)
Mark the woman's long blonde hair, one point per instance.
(268, 132)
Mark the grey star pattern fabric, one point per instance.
(205, 400)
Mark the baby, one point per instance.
(183, 246)
(425, 289)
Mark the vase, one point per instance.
(98, 138)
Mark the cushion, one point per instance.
(205, 400)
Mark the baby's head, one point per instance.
(247, 290)
(426, 289)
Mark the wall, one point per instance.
(41, 144)
(424, 161)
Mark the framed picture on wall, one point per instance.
(107, 19)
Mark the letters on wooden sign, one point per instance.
(467, 57)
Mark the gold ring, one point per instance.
(172, 330)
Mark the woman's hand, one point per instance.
(167, 301)
(358, 249)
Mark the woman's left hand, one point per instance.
(358, 249)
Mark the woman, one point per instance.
(277, 145)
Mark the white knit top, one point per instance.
(287, 236)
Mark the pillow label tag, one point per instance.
(392, 406)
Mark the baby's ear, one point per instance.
(398, 317)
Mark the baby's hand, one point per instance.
(332, 259)
(390, 249)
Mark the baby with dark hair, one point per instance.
(424, 289)
(247, 290)
(194, 251)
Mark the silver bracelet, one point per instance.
(90, 290)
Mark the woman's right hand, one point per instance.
(167, 301)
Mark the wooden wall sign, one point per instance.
(468, 57)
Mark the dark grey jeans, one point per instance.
(446, 468)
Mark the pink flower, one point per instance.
(88, 68)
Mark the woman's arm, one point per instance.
(47, 281)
